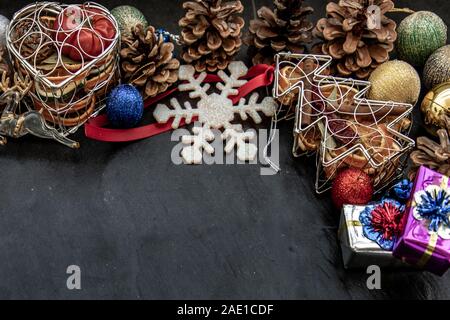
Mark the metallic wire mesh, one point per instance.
(67, 91)
(334, 119)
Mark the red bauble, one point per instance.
(352, 186)
(84, 33)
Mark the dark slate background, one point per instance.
(142, 228)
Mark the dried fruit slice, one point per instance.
(309, 140)
(343, 131)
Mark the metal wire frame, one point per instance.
(384, 168)
(87, 82)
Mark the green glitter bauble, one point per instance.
(419, 35)
(437, 68)
(128, 17)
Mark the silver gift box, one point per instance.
(357, 250)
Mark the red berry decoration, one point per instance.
(352, 186)
(84, 32)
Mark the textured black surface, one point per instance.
(141, 227)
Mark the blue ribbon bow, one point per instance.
(402, 190)
(435, 207)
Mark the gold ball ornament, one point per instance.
(395, 81)
(436, 108)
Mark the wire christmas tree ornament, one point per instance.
(48, 42)
(334, 119)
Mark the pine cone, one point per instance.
(34, 42)
(4, 66)
(5, 79)
(351, 37)
(431, 154)
(285, 28)
(211, 32)
(147, 61)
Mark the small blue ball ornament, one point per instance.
(124, 106)
(164, 34)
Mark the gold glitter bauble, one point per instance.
(395, 81)
(436, 107)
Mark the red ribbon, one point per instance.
(261, 76)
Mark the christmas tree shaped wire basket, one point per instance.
(66, 90)
(334, 120)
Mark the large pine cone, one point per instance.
(211, 33)
(147, 61)
(353, 38)
(431, 154)
(286, 28)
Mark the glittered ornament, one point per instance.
(4, 23)
(395, 81)
(419, 35)
(352, 186)
(128, 17)
(124, 106)
(436, 108)
(437, 68)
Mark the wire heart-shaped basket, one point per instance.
(71, 55)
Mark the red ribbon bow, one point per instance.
(260, 76)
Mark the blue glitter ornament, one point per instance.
(124, 106)
(164, 33)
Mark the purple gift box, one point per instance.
(425, 241)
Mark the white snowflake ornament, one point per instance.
(198, 142)
(215, 111)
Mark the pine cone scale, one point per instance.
(259, 44)
(194, 7)
(266, 14)
(188, 37)
(363, 58)
(378, 54)
(222, 27)
(256, 24)
(351, 43)
(335, 49)
(278, 46)
(266, 32)
(333, 32)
